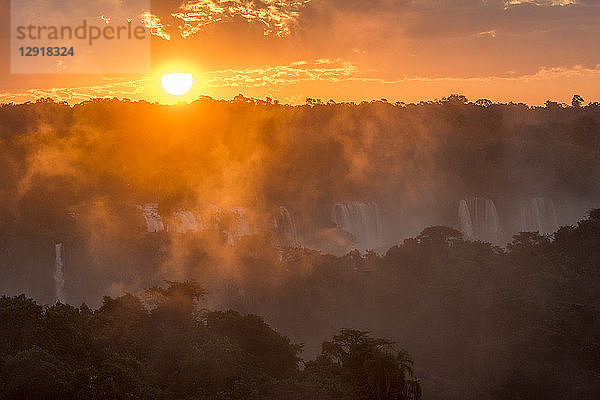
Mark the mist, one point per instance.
(313, 216)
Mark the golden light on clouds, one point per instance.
(542, 3)
(289, 50)
(326, 79)
(277, 16)
(154, 25)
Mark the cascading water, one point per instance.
(185, 221)
(362, 220)
(539, 215)
(285, 228)
(464, 216)
(153, 220)
(238, 226)
(59, 277)
(479, 219)
(233, 223)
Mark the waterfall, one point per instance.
(233, 222)
(153, 220)
(362, 220)
(464, 217)
(59, 278)
(539, 215)
(478, 219)
(185, 221)
(285, 228)
(238, 226)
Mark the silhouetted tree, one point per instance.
(439, 236)
(366, 367)
(577, 101)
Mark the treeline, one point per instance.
(416, 160)
(482, 322)
(163, 345)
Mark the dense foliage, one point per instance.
(163, 346)
(416, 160)
(481, 321)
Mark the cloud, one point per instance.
(277, 16)
(290, 74)
(120, 88)
(541, 3)
(337, 71)
(154, 24)
(277, 77)
(492, 33)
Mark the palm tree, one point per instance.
(372, 366)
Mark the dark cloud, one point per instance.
(459, 38)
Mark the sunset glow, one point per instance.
(300, 199)
(178, 83)
(401, 51)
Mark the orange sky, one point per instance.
(352, 50)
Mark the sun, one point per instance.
(178, 83)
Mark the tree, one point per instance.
(577, 101)
(484, 102)
(553, 105)
(178, 301)
(35, 374)
(20, 326)
(122, 325)
(455, 99)
(275, 353)
(527, 241)
(367, 367)
(439, 236)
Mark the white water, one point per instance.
(233, 222)
(59, 277)
(153, 220)
(238, 226)
(539, 215)
(362, 220)
(479, 219)
(464, 216)
(185, 221)
(285, 228)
